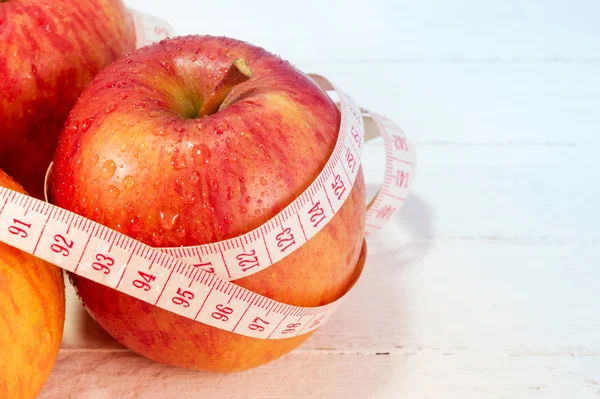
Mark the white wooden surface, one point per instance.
(486, 286)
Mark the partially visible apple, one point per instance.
(179, 149)
(49, 52)
(32, 317)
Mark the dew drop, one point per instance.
(135, 224)
(139, 105)
(195, 178)
(229, 193)
(124, 147)
(94, 159)
(248, 199)
(114, 192)
(143, 165)
(219, 129)
(108, 169)
(167, 221)
(85, 125)
(129, 182)
(74, 128)
(200, 154)
(178, 162)
(213, 184)
(111, 108)
(243, 210)
(188, 198)
(228, 219)
(111, 84)
(263, 181)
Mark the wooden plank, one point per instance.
(423, 374)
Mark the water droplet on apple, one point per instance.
(111, 84)
(143, 165)
(96, 182)
(129, 182)
(108, 169)
(85, 126)
(194, 178)
(213, 185)
(196, 50)
(257, 212)
(243, 210)
(152, 114)
(168, 221)
(135, 71)
(74, 127)
(94, 159)
(135, 224)
(248, 199)
(188, 198)
(228, 219)
(178, 162)
(263, 181)
(200, 154)
(123, 147)
(229, 193)
(113, 191)
(128, 61)
(157, 239)
(139, 105)
(111, 108)
(278, 177)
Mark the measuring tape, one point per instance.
(169, 278)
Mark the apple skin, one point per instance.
(49, 52)
(32, 317)
(147, 167)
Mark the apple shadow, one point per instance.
(366, 336)
(81, 330)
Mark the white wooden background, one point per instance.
(487, 285)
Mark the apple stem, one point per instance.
(238, 72)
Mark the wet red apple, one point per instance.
(32, 317)
(176, 145)
(49, 51)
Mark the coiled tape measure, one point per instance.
(170, 278)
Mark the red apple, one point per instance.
(166, 148)
(49, 52)
(32, 317)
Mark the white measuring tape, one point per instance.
(194, 281)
